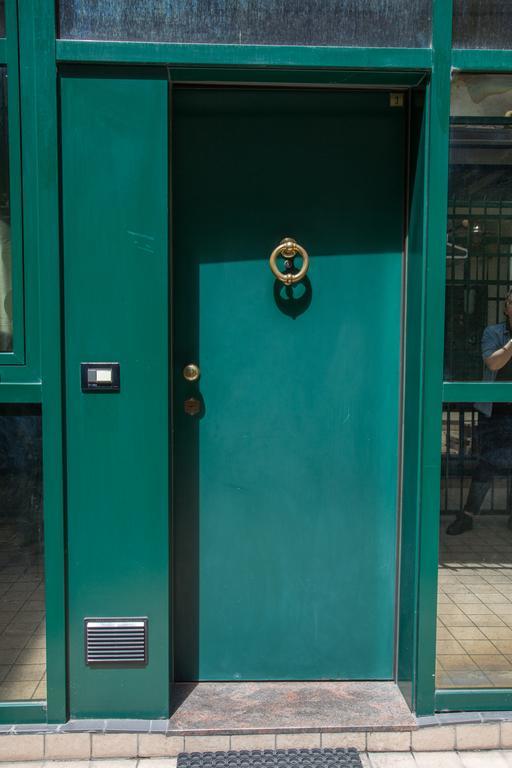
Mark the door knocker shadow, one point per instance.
(293, 300)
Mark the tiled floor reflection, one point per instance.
(474, 635)
(22, 615)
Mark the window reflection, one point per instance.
(6, 328)
(22, 602)
(474, 636)
(481, 95)
(479, 230)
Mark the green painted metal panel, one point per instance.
(29, 392)
(115, 245)
(26, 712)
(286, 486)
(477, 392)
(475, 700)
(436, 206)
(482, 60)
(38, 127)
(243, 55)
(411, 478)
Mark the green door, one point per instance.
(286, 480)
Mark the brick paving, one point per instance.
(22, 615)
(474, 632)
(487, 759)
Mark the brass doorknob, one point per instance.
(191, 372)
(288, 249)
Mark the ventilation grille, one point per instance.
(116, 641)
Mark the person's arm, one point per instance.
(495, 357)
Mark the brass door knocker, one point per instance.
(288, 249)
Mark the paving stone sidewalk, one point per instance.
(485, 759)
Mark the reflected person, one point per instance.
(5, 286)
(494, 421)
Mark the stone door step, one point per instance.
(370, 717)
(321, 707)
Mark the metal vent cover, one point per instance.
(119, 641)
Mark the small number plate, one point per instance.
(396, 99)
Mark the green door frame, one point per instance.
(31, 50)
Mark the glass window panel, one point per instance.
(479, 227)
(276, 22)
(22, 600)
(2, 18)
(481, 95)
(474, 634)
(482, 23)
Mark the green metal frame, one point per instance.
(79, 51)
(33, 55)
(476, 699)
(470, 392)
(20, 380)
(476, 392)
(33, 63)
(9, 58)
(41, 212)
(482, 60)
(431, 404)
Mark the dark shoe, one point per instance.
(461, 524)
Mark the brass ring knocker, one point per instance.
(288, 248)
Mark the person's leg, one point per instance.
(480, 484)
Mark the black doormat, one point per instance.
(272, 758)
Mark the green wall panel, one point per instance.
(115, 245)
